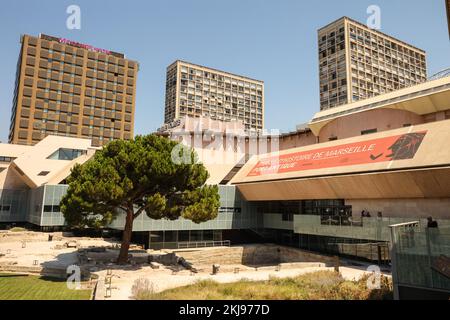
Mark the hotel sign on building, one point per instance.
(82, 45)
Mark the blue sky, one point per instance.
(274, 41)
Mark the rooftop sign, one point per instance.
(81, 45)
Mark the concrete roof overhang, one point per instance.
(425, 98)
(349, 169)
(401, 184)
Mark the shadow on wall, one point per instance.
(252, 255)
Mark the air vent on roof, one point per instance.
(43, 173)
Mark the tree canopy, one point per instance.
(150, 174)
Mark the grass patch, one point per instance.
(322, 285)
(24, 287)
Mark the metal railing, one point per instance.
(416, 253)
(204, 244)
(334, 220)
(368, 228)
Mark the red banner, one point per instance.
(399, 147)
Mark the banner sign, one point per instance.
(399, 147)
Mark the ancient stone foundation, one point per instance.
(252, 255)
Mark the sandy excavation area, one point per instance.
(164, 279)
(33, 250)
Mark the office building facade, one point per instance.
(71, 89)
(356, 63)
(197, 91)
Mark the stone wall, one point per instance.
(29, 236)
(222, 255)
(59, 273)
(251, 255)
(288, 254)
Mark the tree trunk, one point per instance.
(126, 238)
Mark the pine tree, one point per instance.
(141, 176)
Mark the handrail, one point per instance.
(203, 244)
(405, 224)
(340, 221)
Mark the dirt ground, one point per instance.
(164, 279)
(51, 254)
(38, 248)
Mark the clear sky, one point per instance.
(270, 40)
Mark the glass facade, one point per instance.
(374, 228)
(35, 200)
(419, 254)
(41, 206)
(369, 250)
(51, 212)
(172, 239)
(13, 205)
(67, 154)
(234, 213)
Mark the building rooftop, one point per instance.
(47, 162)
(217, 70)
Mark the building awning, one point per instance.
(406, 184)
(411, 162)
